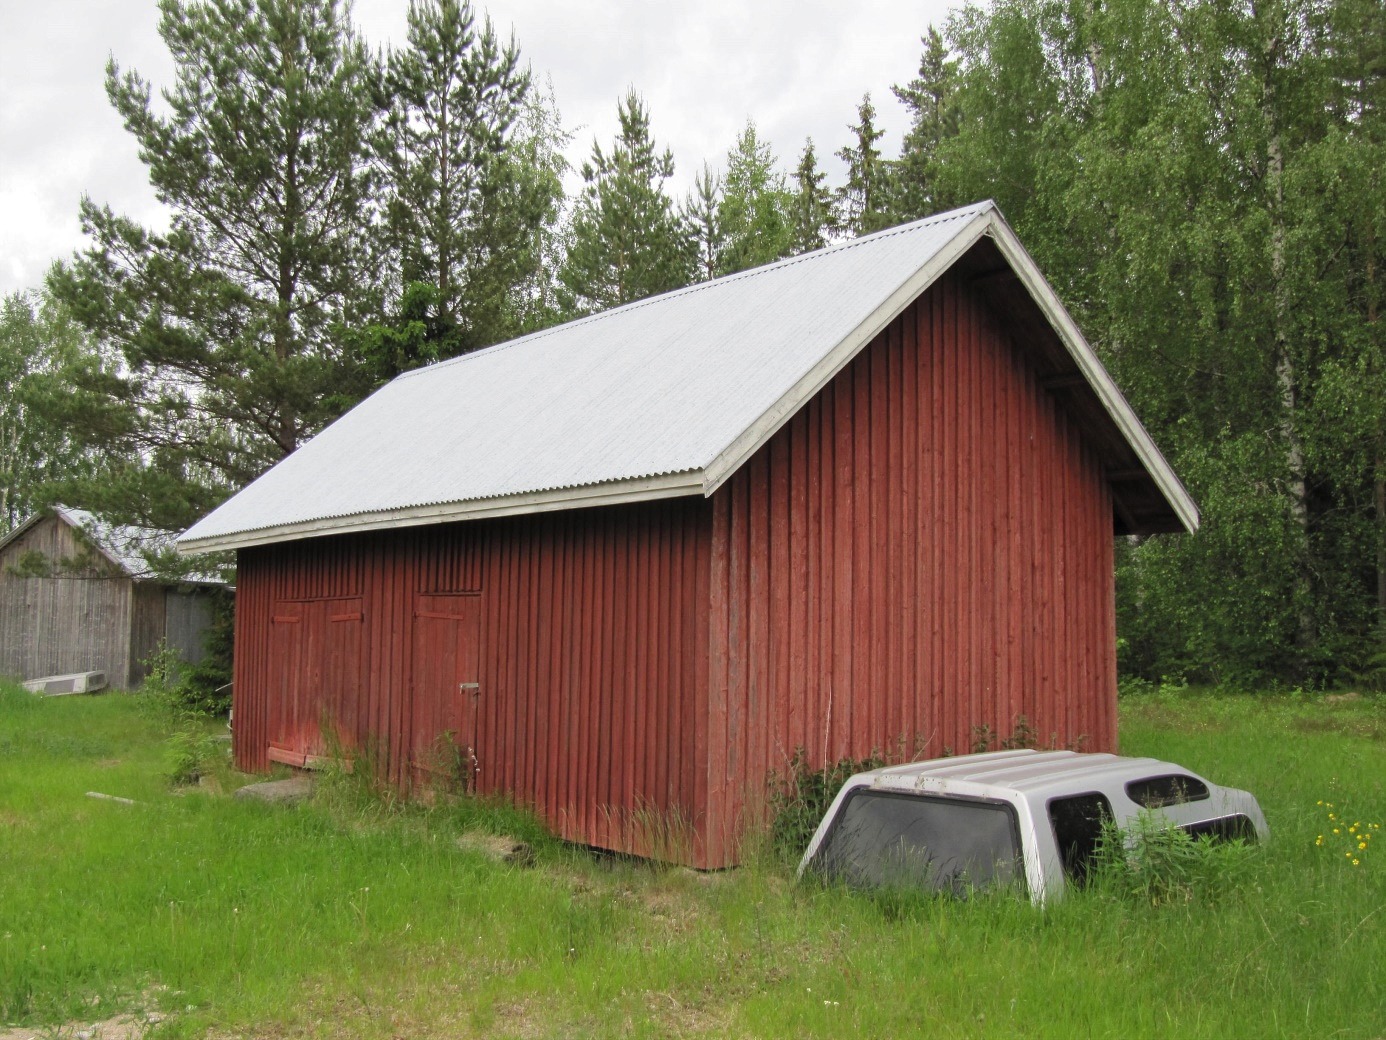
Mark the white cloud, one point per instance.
(797, 68)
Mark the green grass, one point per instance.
(350, 917)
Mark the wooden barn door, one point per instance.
(316, 651)
(446, 697)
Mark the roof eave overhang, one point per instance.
(721, 468)
(1097, 377)
(616, 492)
(987, 223)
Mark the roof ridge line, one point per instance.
(736, 276)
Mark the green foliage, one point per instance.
(176, 691)
(1155, 863)
(192, 754)
(37, 337)
(1200, 183)
(931, 98)
(216, 341)
(799, 799)
(701, 217)
(812, 217)
(627, 242)
(753, 215)
(864, 201)
(473, 185)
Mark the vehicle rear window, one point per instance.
(892, 840)
(1225, 828)
(1077, 821)
(1174, 789)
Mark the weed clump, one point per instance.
(1157, 863)
(192, 755)
(800, 798)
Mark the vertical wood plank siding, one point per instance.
(925, 548)
(593, 625)
(69, 623)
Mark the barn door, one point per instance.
(315, 646)
(447, 695)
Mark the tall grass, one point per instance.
(354, 916)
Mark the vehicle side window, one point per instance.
(1156, 791)
(1077, 822)
(891, 840)
(1227, 828)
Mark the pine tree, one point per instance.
(227, 327)
(931, 98)
(700, 215)
(464, 203)
(864, 201)
(811, 215)
(754, 210)
(627, 242)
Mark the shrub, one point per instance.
(1156, 862)
(799, 800)
(191, 756)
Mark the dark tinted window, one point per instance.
(1156, 791)
(1077, 822)
(1227, 828)
(880, 839)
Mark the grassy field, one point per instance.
(346, 917)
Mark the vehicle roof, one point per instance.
(1025, 771)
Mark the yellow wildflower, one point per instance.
(1361, 844)
(1354, 862)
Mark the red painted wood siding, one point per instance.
(925, 548)
(593, 640)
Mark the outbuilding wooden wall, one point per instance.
(69, 623)
(924, 549)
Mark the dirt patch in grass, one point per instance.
(11, 820)
(1352, 724)
(120, 1027)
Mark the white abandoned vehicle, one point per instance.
(1031, 819)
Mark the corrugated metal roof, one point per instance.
(125, 546)
(663, 396)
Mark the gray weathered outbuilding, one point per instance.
(77, 594)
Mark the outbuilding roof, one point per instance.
(125, 547)
(670, 395)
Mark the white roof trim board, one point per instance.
(667, 396)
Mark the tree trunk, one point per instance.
(1287, 377)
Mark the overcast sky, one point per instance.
(798, 67)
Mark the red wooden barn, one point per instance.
(863, 499)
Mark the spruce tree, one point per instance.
(864, 200)
(812, 219)
(227, 327)
(627, 242)
(931, 98)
